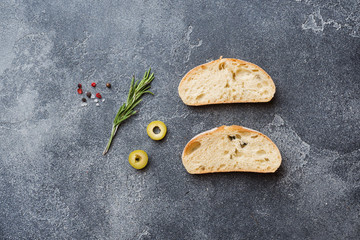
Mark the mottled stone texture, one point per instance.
(54, 182)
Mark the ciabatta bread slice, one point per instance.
(231, 149)
(226, 80)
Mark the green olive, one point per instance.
(156, 125)
(138, 159)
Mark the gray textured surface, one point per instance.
(54, 183)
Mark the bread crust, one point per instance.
(195, 69)
(233, 128)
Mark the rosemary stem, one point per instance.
(113, 132)
(137, 89)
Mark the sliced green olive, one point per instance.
(156, 130)
(138, 159)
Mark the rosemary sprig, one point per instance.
(137, 89)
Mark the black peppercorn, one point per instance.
(88, 94)
(83, 99)
(108, 85)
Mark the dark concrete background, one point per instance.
(54, 182)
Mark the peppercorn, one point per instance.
(88, 94)
(98, 95)
(79, 85)
(108, 85)
(83, 99)
(79, 91)
(93, 84)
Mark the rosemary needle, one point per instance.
(137, 89)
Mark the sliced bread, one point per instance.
(231, 149)
(226, 80)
